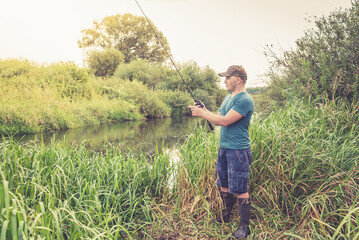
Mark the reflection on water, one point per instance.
(174, 156)
(134, 135)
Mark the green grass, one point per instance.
(303, 184)
(71, 192)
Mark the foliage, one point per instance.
(203, 82)
(104, 63)
(69, 80)
(324, 64)
(62, 95)
(256, 90)
(144, 71)
(207, 99)
(195, 77)
(259, 95)
(58, 96)
(131, 35)
(150, 105)
(304, 169)
(177, 100)
(13, 67)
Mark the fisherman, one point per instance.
(234, 155)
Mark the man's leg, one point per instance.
(244, 203)
(238, 173)
(229, 200)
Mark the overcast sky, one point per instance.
(217, 33)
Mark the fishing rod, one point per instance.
(198, 102)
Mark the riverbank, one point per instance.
(36, 98)
(303, 184)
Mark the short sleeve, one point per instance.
(242, 106)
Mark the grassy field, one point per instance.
(303, 184)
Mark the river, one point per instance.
(128, 136)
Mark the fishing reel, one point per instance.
(199, 103)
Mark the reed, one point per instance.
(60, 192)
(305, 169)
(303, 183)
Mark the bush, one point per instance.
(205, 98)
(324, 64)
(195, 77)
(149, 73)
(62, 95)
(159, 76)
(149, 103)
(59, 96)
(13, 67)
(178, 101)
(104, 63)
(68, 79)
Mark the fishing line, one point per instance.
(173, 62)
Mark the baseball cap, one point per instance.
(235, 70)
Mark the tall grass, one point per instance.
(305, 171)
(71, 193)
(303, 184)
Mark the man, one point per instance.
(234, 155)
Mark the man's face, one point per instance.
(231, 83)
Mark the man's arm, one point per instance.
(231, 117)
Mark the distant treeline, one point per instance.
(256, 90)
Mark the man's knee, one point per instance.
(243, 195)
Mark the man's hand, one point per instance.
(197, 111)
(200, 105)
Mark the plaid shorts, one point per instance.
(233, 169)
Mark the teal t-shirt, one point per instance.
(236, 136)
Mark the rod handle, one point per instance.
(201, 105)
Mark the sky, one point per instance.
(214, 33)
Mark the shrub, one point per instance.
(178, 101)
(69, 80)
(149, 73)
(59, 96)
(13, 67)
(205, 98)
(149, 103)
(104, 63)
(324, 64)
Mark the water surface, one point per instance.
(129, 135)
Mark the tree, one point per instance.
(325, 63)
(104, 63)
(132, 35)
